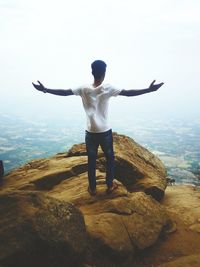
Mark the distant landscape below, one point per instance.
(176, 142)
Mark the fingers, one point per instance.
(38, 87)
(40, 83)
(152, 83)
(34, 85)
(155, 87)
(160, 84)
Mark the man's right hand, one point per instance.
(39, 87)
(62, 92)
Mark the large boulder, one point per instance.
(37, 230)
(135, 166)
(126, 224)
(128, 220)
(138, 169)
(120, 223)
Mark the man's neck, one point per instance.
(97, 82)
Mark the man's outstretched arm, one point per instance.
(152, 88)
(61, 92)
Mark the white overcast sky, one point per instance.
(56, 41)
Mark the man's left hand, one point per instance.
(155, 87)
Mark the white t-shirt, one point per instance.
(95, 102)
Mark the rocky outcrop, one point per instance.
(136, 167)
(36, 229)
(183, 247)
(118, 225)
(126, 224)
(184, 201)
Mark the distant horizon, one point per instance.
(122, 113)
(175, 142)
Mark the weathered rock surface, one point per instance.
(136, 168)
(37, 230)
(118, 224)
(127, 223)
(118, 219)
(177, 249)
(184, 200)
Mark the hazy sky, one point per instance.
(56, 41)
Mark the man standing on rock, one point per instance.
(95, 98)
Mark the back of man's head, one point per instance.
(98, 68)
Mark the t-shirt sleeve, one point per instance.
(77, 90)
(114, 91)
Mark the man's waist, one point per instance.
(99, 133)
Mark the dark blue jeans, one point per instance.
(105, 140)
